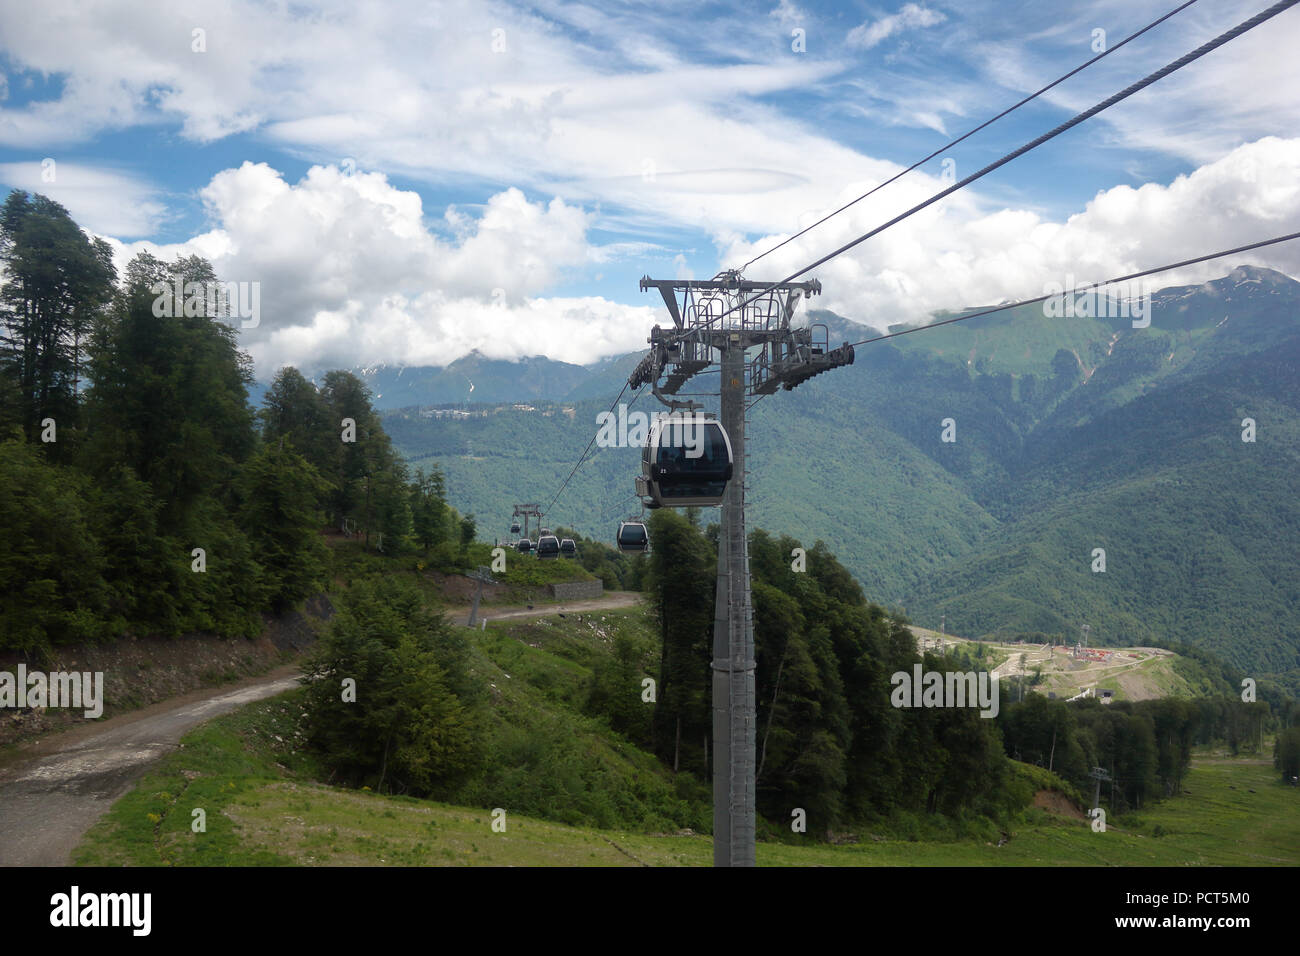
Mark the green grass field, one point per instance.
(252, 781)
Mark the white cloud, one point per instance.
(1240, 92)
(655, 134)
(912, 16)
(100, 199)
(351, 275)
(789, 15)
(952, 256)
(419, 93)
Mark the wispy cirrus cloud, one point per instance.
(913, 16)
(100, 198)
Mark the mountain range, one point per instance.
(1169, 452)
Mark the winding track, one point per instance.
(53, 790)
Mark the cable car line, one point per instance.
(582, 457)
(1010, 109)
(1069, 124)
(1085, 287)
(1128, 91)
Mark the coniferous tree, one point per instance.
(56, 281)
(280, 513)
(294, 412)
(681, 585)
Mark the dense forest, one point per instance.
(146, 496)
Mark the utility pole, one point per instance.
(708, 318)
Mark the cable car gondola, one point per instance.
(633, 537)
(687, 462)
(514, 528)
(569, 548)
(548, 546)
(524, 546)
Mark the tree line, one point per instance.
(145, 495)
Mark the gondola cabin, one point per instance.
(548, 546)
(524, 546)
(633, 537)
(568, 548)
(686, 463)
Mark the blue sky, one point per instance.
(408, 181)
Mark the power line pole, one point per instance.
(787, 358)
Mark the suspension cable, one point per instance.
(1105, 104)
(920, 162)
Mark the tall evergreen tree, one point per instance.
(169, 395)
(294, 412)
(681, 576)
(280, 512)
(56, 281)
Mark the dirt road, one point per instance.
(52, 791)
(611, 600)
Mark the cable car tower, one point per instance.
(526, 511)
(728, 316)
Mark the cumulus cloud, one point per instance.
(350, 274)
(953, 256)
(645, 134)
(912, 16)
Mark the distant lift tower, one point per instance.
(527, 511)
(708, 319)
(1099, 774)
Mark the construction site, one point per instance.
(1069, 671)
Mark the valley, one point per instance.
(1072, 434)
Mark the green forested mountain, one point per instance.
(1071, 434)
(472, 378)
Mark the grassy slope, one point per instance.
(247, 771)
(261, 812)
